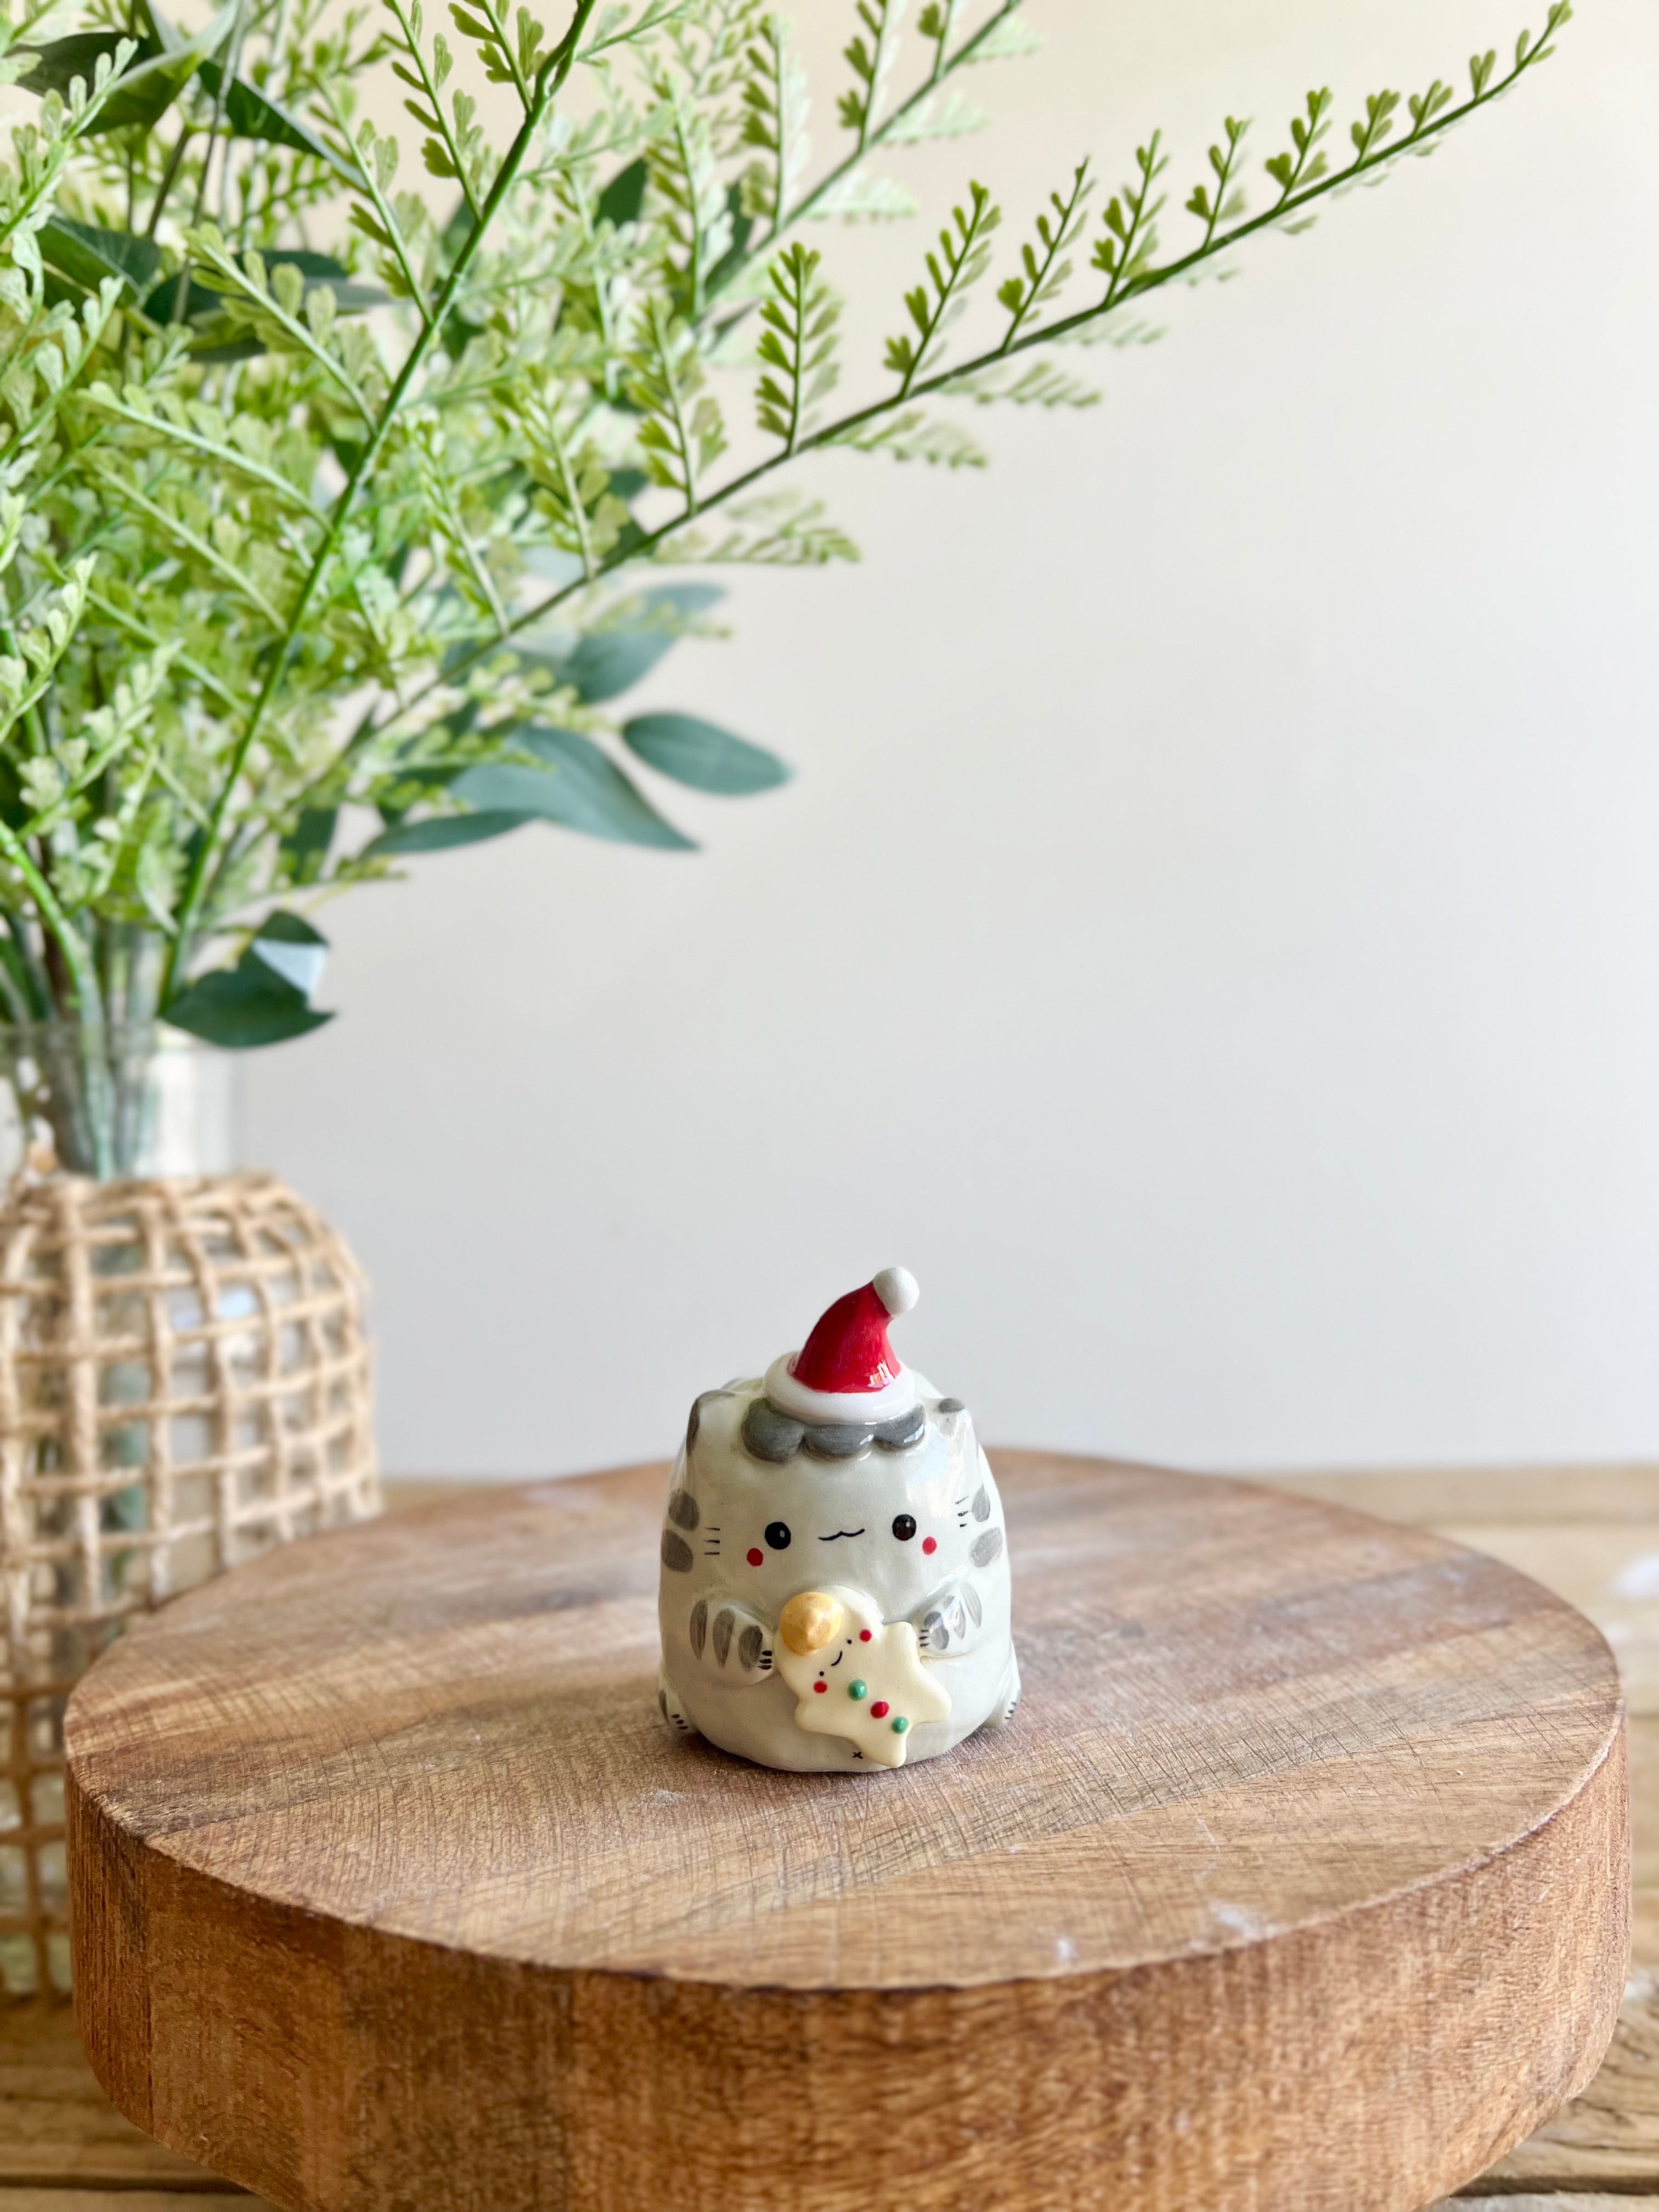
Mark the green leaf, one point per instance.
(241, 1007)
(350, 293)
(579, 788)
(149, 87)
(612, 661)
(686, 600)
(703, 755)
(86, 254)
(440, 833)
(250, 113)
(609, 661)
(351, 296)
(55, 66)
(266, 999)
(293, 948)
(624, 196)
(306, 848)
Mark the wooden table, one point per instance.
(1593, 1533)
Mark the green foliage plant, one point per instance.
(336, 515)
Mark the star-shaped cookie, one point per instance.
(855, 1676)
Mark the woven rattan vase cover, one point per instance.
(184, 1380)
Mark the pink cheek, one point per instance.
(820, 1687)
(930, 1545)
(864, 1634)
(756, 1558)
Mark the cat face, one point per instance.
(894, 1521)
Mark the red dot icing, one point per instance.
(880, 1710)
(756, 1557)
(820, 1687)
(863, 1635)
(930, 1545)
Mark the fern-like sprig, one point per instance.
(1045, 271)
(869, 54)
(450, 148)
(774, 100)
(797, 344)
(266, 563)
(963, 257)
(1221, 200)
(511, 54)
(682, 433)
(1126, 251)
(1316, 183)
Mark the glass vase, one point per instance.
(114, 1099)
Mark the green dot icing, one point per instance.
(858, 1689)
(900, 1725)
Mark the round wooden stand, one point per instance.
(1299, 1884)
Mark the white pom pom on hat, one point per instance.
(897, 1288)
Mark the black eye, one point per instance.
(777, 1535)
(903, 1527)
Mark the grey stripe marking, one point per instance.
(748, 1647)
(683, 1512)
(971, 1598)
(699, 1625)
(725, 1621)
(981, 1505)
(676, 1552)
(986, 1547)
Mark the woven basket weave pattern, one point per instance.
(184, 1382)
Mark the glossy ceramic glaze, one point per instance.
(910, 1533)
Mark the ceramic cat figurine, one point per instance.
(834, 1587)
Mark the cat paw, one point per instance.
(730, 1642)
(673, 1712)
(949, 1618)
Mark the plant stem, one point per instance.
(548, 81)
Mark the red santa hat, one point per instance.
(846, 1370)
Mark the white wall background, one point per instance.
(1214, 937)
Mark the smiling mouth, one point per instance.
(839, 1533)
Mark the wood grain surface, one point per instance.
(1301, 1881)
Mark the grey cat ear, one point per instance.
(903, 1431)
(770, 1435)
(695, 1423)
